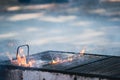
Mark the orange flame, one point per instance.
(82, 52)
(21, 60)
(68, 59)
(58, 60)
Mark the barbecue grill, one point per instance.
(86, 67)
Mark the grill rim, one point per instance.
(12, 67)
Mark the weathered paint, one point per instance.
(40, 75)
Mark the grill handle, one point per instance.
(26, 45)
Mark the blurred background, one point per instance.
(62, 25)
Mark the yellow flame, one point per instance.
(68, 59)
(21, 60)
(82, 52)
(58, 60)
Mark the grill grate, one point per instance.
(75, 63)
(106, 67)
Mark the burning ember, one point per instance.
(68, 59)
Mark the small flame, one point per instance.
(68, 59)
(58, 60)
(21, 60)
(82, 52)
